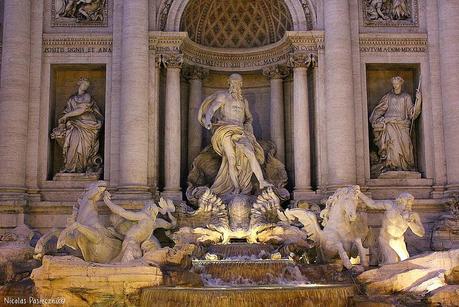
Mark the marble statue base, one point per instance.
(76, 177)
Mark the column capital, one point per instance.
(302, 59)
(195, 72)
(172, 60)
(276, 72)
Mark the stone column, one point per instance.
(134, 98)
(14, 98)
(172, 137)
(301, 135)
(449, 65)
(276, 74)
(339, 95)
(195, 75)
(153, 114)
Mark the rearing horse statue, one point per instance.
(86, 233)
(343, 229)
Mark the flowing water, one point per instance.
(245, 276)
(273, 296)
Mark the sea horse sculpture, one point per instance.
(343, 227)
(85, 231)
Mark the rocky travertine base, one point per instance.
(427, 275)
(87, 284)
(15, 261)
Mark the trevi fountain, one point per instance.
(229, 153)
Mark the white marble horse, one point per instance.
(343, 228)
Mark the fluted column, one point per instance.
(449, 63)
(339, 94)
(134, 98)
(301, 135)
(153, 132)
(195, 75)
(14, 96)
(172, 137)
(276, 74)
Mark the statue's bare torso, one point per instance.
(231, 110)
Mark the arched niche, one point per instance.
(302, 12)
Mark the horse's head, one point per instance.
(345, 200)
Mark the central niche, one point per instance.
(236, 23)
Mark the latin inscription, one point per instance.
(77, 50)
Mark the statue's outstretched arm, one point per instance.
(162, 223)
(129, 215)
(379, 205)
(416, 226)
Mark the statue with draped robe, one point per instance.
(392, 121)
(78, 132)
(227, 115)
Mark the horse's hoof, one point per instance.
(357, 269)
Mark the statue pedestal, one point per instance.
(76, 177)
(400, 175)
(390, 184)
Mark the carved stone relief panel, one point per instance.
(79, 13)
(390, 13)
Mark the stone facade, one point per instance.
(312, 72)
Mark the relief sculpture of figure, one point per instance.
(392, 121)
(78, 132)
(374, 10)
(400, 10)
(227, 114)
(82, 10)
(398, 217)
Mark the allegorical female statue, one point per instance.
(392, 121)
(228, 115)
(78, 132)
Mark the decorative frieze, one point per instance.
(74, 13)
(229, 59)
(82, 45)
(390, 13)
(406, 43)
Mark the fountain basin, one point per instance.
(306, 295)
